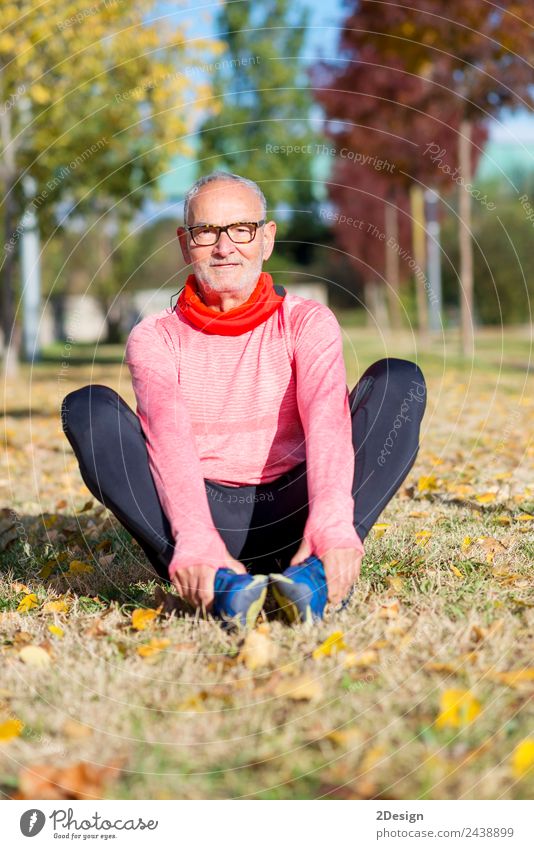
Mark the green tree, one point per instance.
(92, 106)
(262, 104)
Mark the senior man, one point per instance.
(247, 450)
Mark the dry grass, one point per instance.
(192, 720)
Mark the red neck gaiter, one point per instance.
(261, 304)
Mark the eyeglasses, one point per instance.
(209, 234)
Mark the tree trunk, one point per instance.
(466, 245)
(392, 263)
(377, 314)
(417, 204)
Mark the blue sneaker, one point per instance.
(301, 591)
(239, 598)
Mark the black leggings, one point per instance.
(261, 525)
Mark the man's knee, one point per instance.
(403, 378)
(84, 406)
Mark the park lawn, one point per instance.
(424, 691)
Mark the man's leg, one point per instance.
(108, 441)
(387, 406)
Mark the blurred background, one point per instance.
(395, 150)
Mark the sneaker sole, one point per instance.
(291, 599)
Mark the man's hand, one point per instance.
(341, 565)
(195, 582)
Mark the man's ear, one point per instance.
(269, 232)
(182, 237)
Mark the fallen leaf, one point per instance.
(76, 781)
(456, 571)
(345, 737)
(258, 649)
(380, 528)
(86, 506)
(485, 497)
(390, 610)
(17, 587)
(361, 659)
(153, 647)
(467, 542)
(35, 656)
(524, 517)
(57, 606)
(457, 709)
(395, 582)
(523, 758)
(423, 537)
(142, 617)
(427, 483)
(77, 567)
(27, 603)
(303, 688)
(56, 630)
(9, 729)
(76, 730)
(333, 644)
(514, 678)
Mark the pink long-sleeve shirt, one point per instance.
(244, 410)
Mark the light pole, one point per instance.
(433, 250)
(30, 264)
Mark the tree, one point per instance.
(262, 102)
(93, 105)
(381, 113)
(474, 55)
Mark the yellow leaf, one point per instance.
(523, 758)
(142, 617)
(259, 649)
(395, 582)
(466, 543)
(524, 517)
(380, 529)
(50, 520)
(57, 606)
(304, 688)
(486, 497)
(362, 659)
(422, 537)
(9, 729)
(457, 709)
(77, 567)
(331, 645)
(427, 483)
(345, 737)
(371, 758)
(56, 630)
(27, 603)
(153, 647)
(456, 571)
(35, 656)
(503, 520)
(512, 679)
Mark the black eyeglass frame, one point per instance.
(221, 229)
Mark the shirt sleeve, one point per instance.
(173, 457)
(322, 398)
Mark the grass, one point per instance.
(449, 610)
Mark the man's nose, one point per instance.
(224, 246)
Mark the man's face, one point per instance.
(227, 267)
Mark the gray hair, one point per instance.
(222, 175)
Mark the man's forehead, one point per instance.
(229, 199)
